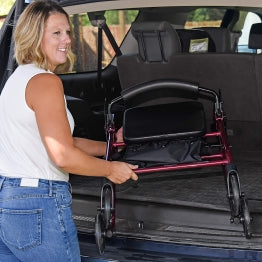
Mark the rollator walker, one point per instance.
(169, 137)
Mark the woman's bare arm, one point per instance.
(91, 147)
(45, 96)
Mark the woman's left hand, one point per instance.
(119, 135)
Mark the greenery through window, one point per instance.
(205, 17)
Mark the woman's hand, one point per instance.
(119, 135)
(120, 138)
(120, 172)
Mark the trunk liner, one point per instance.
(183, 207)
(199, 187)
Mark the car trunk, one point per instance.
(177, 207)
(189, 207)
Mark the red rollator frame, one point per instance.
(105, 219)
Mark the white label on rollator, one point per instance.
(31, 182)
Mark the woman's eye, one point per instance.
(68, 32)
(57, 33)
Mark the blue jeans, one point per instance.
(36, 222)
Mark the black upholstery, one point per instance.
(86, 121)
(196, 40)
(166, 121)
(237, 75)
(255, 36)
(157, 41)
(221, 37)
(79, 109)
(228, 72)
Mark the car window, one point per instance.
(86, 35)
(4, 9)
(251, 18)
(205, 17)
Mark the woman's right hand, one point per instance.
(120, 172)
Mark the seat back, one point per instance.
(221, 37)
(196, 41)
(157, 41)
(255, 36)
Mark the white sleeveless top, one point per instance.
(22, 152)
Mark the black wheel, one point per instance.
(100, 233)
(107, 210)
(234, 195)
(246, 218)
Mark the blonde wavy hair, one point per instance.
(29, 33)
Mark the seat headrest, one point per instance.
(220, 36)
(196, 41)
(255, 36)
(157, 41)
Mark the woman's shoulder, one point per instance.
(31, 71)
(46, 80)
(27, 71)
(43, 87)
(31, 68)
(24, 73)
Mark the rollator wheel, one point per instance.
(107, 206)
(246, 219)
(100, 233)
(234, 195)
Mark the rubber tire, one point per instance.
(246, 219)
(235, 193)
(100, 233)
(107, 207)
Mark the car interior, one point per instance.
(209, 57)
(180, 206)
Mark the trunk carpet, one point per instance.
(199, 187)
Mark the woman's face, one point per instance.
(56, 40)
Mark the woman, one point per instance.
(37, 148)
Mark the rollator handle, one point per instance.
(161, 88)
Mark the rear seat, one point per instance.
(221, 37)
(157, 41)
(230, 70)
(237, 75)
(255, 42)
(255, 36)
(196, 41)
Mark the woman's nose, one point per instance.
(67, 39)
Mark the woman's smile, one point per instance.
(56, 40)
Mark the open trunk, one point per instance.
(186, 207)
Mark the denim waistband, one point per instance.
(51, 184)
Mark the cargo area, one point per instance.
(190, 207)
(182, 207)
(164, 216)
